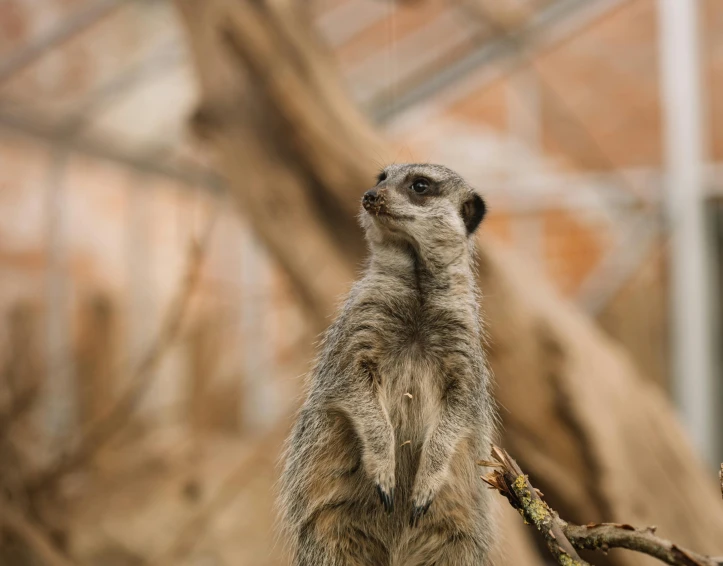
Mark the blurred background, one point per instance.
(153, 335)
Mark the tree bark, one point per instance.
(602, 443)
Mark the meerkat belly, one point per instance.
(412, 396)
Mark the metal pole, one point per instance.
(549, 27)
(84, 18)
(142, 289)
(685, 191)
(260, 406)
(59, 390)
(524, 127)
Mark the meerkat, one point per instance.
(381, 465)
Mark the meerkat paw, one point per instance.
(381, 472)
(420, 507)
(384, 482)
(423, 494)
(386, 497)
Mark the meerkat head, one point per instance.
(427, 206)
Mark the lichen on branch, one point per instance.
(562, 538)
(508, 479)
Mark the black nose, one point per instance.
(370, 197)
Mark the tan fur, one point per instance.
(398, 410)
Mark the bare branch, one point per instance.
(507, 478)
(19, 375)
(21, 403)
(14, 521)
(229, 489)
(613, 535)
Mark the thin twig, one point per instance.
(21, 403)
(510, 481)
(230, 488)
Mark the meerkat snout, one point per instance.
(374, 201)
(370, 198)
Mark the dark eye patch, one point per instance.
(420, 188)
(381, 177)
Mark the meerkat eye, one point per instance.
(420, 186)
(381, 177)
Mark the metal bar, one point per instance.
(524, 129)
(619, 264)
(74, 25)
(164, 59)
(142, 286)
(59, 386)
(690, 273)
(545, 30)
(343, 23)
(259, 406)
(524, 111)
(537, 187)
(413, 56)
(189, 176)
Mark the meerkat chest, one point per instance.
(411, 340)
(411, 389)
(414, 375)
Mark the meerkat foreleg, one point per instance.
(374, 429)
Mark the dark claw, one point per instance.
(386, 498)
(418, 512)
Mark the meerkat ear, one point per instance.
(473, 211)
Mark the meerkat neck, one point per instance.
(448, 272)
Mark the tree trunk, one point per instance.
(602, 443)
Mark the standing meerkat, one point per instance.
(381, 466)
